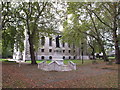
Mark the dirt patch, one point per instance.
(31, 77)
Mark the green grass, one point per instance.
(65, 61)
(85, 62)
(3, 59)
(78, 62)
(111, 57)
(38, 61)
(7, 61)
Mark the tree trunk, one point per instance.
(32, 54)
(117, 49)
(103, 51)
(79, 54)
(93, 54)
(115, 37)
(93, 51)
(104, 55)
(31, 47)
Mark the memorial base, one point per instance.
(58, 56)
(57, 63)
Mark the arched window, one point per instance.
(50, 41)
(74, 57)
(42, 41)
(63, 57)
(69, 51)
(63, 51)
(69, 45)
(42, 50)
(42, 57)
(69, 57)
(50, 57)
(63, 44)
(50, 50)
(73, 45)
(74, 51)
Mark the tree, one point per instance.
(37, 18)
(31, 15)
(71, 36)
(92, 44)
(90, 27)
(12, 31)
(101, 14)
(109, 18)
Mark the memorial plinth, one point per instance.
(57, 63)
(58, 56)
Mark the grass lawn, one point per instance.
(111, 57)
(38, 61)
(7, 61)
(3, 59)
(78, 62)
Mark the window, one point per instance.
(69, 51)
(42, 41)
(74, 57)
(50, 57)
(74, 51)
(68, 45)
(50, 41)
(50, 50)
(63, 44)
(63, 57)
(42, 57)
(42, 50)
(69, 57)
(73, 45)
(63, 51)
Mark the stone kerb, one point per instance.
(42, 64)
(56, 66)
(65, 68)
(72, 65)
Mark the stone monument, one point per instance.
(57, 61)
(57, 55)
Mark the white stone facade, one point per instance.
(46, 52)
